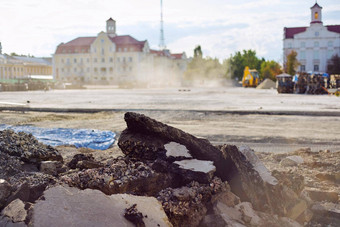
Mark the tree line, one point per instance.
(201, 68)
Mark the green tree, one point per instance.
(269, 69)
(198, 52)
(333, 66)
(239, 61)
(292, 63)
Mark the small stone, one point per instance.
(49, 167)
(15, 211)
(248, 213)
(295, 210)
(5, 191)
(291, 161)
(320, 195)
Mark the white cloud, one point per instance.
(221, 27)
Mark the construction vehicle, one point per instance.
(250, 77)
(284, 83)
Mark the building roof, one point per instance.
(333, 28)
(177, 56)
(23, 60)
(290, 32)
(83, 44)
(316, 5)
(127, 41)
(78, 45)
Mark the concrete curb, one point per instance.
(218, 112)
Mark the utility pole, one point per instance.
(161, 40)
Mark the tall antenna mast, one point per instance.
(161, 40)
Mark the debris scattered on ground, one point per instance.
(164, 177)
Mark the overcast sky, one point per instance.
(221, 27)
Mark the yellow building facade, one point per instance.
(109, 58)
(17, 67)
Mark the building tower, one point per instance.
(161, 40)
(111, 27)
(316, 14)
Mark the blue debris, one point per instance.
(89, 138)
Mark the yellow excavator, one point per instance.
(250, 77)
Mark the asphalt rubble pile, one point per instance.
(165, 177)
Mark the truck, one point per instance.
(250, 77)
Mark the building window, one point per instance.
(130, 59)
(316, 15)
(111, 69)
(123, 59)
(95, 59)
(303, 44)
(88, 60)
(302, 68)
(302, 55)
(62, 60)
(62, 70)
(316, 68)
(118, 59)
(102, 51)
(317, 34)
(330, 54)
(119, 49)
(111, 59)
(68, 61)
(316, 54)
(330, 43)
(95, 70)
(102, 41)
(316, 44)
(103, 60)
(125, 49)
(75, 70)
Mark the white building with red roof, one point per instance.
(315, 44)
(109, 58)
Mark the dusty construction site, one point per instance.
(294, 136)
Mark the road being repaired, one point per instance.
(263, 119)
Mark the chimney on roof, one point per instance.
(111, 27)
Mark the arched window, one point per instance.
(316, 15)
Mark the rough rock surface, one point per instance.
(120, 176)
(95, 209)
(291, 160)
(5, 191)
(15, 211)
(84, 161)
(255, 182)
(189, 194)
(146, 135)
(26, 147)
(186, 206)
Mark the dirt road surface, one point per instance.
(212, 113)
